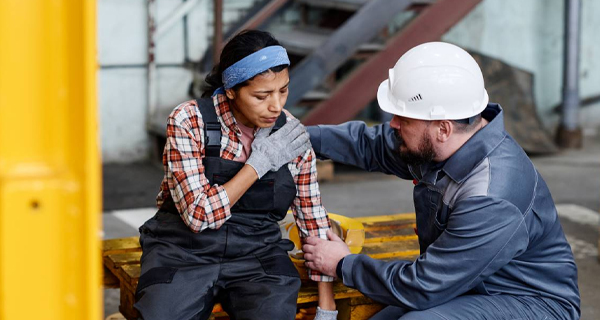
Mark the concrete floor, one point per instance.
(573, 177)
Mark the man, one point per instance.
(491, 243)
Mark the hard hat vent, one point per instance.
(415, 98)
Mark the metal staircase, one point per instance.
(341, 49)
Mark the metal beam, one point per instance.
(359, 29)
(360, 88)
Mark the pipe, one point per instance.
(570, 110)
(152, 85)
(218, 29)
(154, 32)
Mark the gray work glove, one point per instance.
(270, 152)
(326, 314)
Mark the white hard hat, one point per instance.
(434, 81)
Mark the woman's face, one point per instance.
(260, 102)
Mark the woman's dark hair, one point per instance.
(243, 44)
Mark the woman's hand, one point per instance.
(270, 152)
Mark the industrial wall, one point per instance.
(123, 58)
(525, 34)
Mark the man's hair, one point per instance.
(463, 127)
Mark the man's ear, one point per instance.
(230, 94)
(444, 130)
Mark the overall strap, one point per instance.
(212, 128)
(281, 120)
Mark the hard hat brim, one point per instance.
(383, 99)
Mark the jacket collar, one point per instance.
(479, 146)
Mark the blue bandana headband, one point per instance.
(258, 62)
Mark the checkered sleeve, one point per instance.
(201, 205)
(311, 216)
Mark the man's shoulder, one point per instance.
(512, 175)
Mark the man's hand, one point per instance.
(322, 255)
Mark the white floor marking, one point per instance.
(578, 214)
(134, 217)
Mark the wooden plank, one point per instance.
(364, 312)
(127, 299)
(121, 245)
(387, 237)
(309, 293)
(109, 280)
(131, 274)
(387, 218)
(379, 229)
(392, 238)
(405, 255)
(392, 249)
(406, 231)
(117, 260)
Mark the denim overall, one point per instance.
(243, 265)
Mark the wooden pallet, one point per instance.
(386, 237)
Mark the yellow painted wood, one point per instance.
(364, 312)
(50, 207)
(392, 238)
(308, 293)
(386, 238)
(390, 217)
(408, 255)
(131, 274)
(404, 230)
(119, 259)
(392, 249)
(353, 231)
(391, 228)
(121, 245)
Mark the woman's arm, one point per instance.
(240, 183)
(200, 205)
(326, 301)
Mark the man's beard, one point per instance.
(424, 154)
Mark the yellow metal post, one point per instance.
(50, 264)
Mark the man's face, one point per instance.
(416, 147)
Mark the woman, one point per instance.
(234, 165)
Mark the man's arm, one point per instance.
(369, 148)
(482, 236)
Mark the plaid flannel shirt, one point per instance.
(204, 206)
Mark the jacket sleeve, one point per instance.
(369, 148)
(483, 235)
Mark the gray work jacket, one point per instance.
(486, 221)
